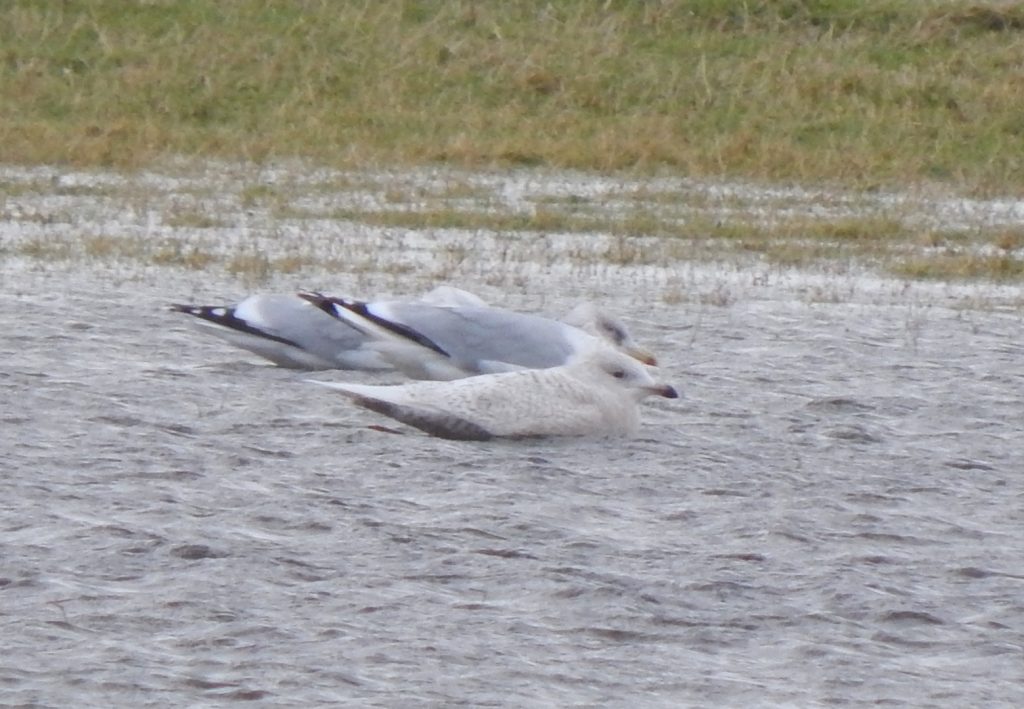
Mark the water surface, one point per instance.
(830, 516)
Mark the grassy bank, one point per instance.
(858, 93)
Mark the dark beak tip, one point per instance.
(669, 392)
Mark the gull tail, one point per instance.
(434, 423)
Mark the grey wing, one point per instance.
(314, 331)
(288, 331)
(246, 326)
(294, 319)
(482, 339)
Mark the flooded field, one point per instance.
(831, 515)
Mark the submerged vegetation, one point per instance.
(442, 222)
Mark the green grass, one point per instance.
(859, 93)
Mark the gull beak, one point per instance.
(666, 390)
(642, 356)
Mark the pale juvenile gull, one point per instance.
(431, 342)
(289, 332)
(597, 394)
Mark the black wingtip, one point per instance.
(363, 310)
(183, 308)
(224, 316)
(312, 296)
(331, 305)
(323, 302)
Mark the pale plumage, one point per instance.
(591, 319)
(289, 332)
(430, 342)
(595, 395)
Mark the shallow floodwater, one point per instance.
(831, 515)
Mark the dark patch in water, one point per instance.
(505, 553)
(749, 556)
(965, 464)
(837, 405)
(911, 618)
(194, 552)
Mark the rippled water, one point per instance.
(832, 515)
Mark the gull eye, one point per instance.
(619, 374)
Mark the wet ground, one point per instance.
(830, 516)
